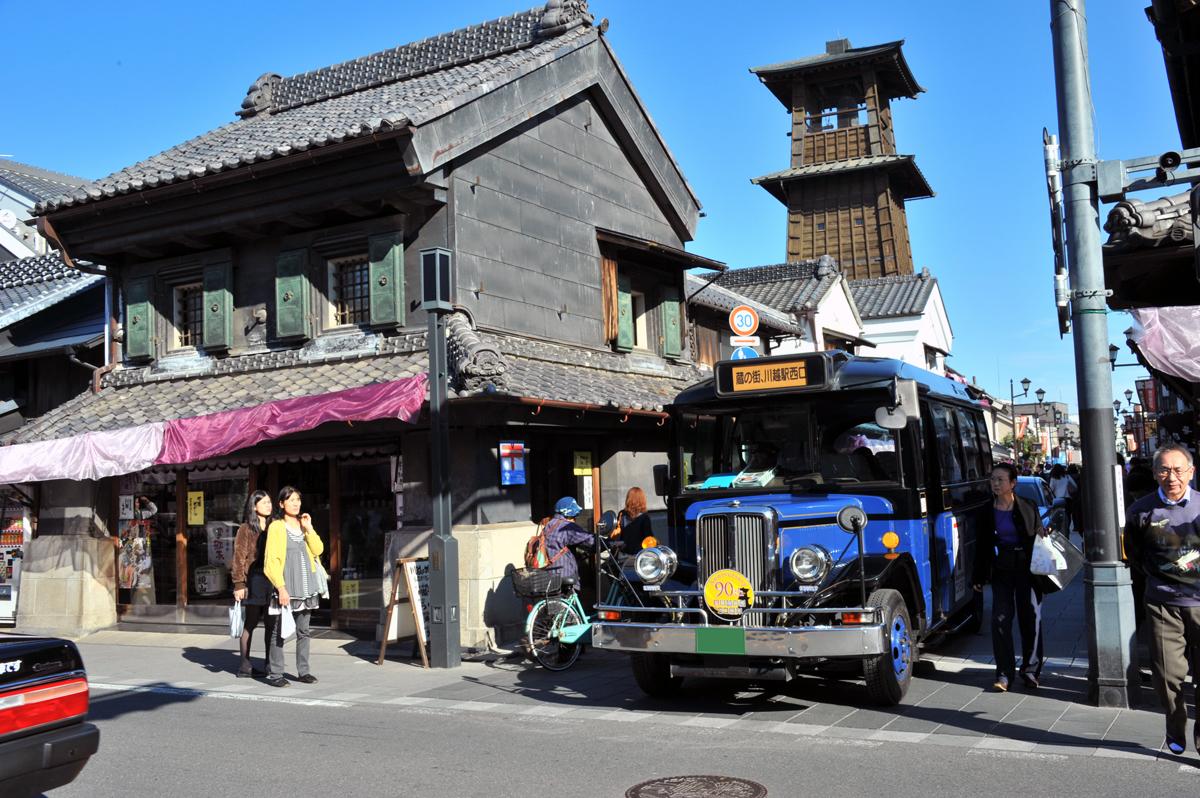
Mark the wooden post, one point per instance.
(335, 542)
(597, 501)
(181, 569)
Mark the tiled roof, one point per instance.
(29, 285)
(1138, 224)
(37, 184)
(898, 295)
(378, 93)
(717, 297)
(913, 184)
(481, 364)
(785, 286)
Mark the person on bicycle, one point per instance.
(561, 532)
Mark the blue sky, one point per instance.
(102, 85)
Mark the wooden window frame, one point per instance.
(334, 285)
(193, 337)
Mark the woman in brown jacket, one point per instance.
(250, 586)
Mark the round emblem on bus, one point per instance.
(728, 593)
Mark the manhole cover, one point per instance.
(697, 787)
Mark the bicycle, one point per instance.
(557, 626)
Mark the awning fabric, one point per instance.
(1169, 339)
(94, 455)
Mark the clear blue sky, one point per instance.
(94, 87)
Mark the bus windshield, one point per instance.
(827, 440)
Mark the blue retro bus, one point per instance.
(823, 511)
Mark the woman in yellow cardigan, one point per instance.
(290, 563)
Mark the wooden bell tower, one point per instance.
(846, 187)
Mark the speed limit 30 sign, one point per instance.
(743, 320)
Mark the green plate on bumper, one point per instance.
(720, 640)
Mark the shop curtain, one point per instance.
(91, 455)
(187, 440)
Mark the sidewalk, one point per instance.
(949, 703)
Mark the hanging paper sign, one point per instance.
(195, 508)
(125, 508)
(583, 464)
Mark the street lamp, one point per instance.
(1012, 409)
(1129, 396)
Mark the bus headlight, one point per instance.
(810, 564)
(655, 564)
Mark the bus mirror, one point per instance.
(905, 405)
(608, 523)
(851, 518)
(662, 478)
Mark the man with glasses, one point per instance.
(1162, 540)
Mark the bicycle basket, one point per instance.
(536, 581)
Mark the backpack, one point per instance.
(536, 555)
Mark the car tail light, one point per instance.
(43, 704)
(609, 615)
(852, 617)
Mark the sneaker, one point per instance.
(307, 678)
(1030, 681)
(276, 681)
(1001, 684)
(1176, 747)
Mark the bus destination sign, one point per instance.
(769, 375)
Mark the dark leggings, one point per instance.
(255, 613)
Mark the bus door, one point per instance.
(956, 490)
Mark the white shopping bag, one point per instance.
(287, 624)
(1046, 560)
(237, 619)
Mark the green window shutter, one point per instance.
(672, 326)
(624, 313)
(218, 306)
(386, 253)
(292, 317)
(139, 318)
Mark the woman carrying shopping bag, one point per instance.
(291, 564)
(1007, 529)
(250, 585)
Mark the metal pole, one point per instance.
(444, 640)
(1109, 599)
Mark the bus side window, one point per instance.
(985, 443)
(972, 456)
(949, 454)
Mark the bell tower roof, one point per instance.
(840, 60)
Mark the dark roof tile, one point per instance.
(35, 183)
(897, 295)
(785, 286)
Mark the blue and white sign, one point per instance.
(744, 353)
(512, 462)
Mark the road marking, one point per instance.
(272, 699)
(999, 754)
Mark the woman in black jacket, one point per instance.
(1004, 548)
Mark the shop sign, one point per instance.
(583, 464)
(512, 462)
(195, 508)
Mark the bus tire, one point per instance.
(652, 672)
(889, 674)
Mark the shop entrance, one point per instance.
(566, 466)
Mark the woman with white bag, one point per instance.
(1004, 547)
(291, 563)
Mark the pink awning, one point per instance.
(92, 455)
(187, 440)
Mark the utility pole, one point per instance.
(1109, 599)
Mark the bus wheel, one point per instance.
(652, 672)
(889, 674)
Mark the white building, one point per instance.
(905, 317)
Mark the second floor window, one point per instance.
(189, 315)
(350, 290)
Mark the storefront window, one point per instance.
(368, 513)
(146, 557)
(216, 500)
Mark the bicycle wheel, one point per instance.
(549, 617)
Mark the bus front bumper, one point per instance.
(786, 642)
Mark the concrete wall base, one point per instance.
(68, 586)
(490, 613)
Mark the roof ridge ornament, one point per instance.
(560, 16)
(260, 96)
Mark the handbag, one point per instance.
(237, 619)
(322, 577)
(1046, 560)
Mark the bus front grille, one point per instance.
(742, 541)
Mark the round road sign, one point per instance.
(743, 320)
